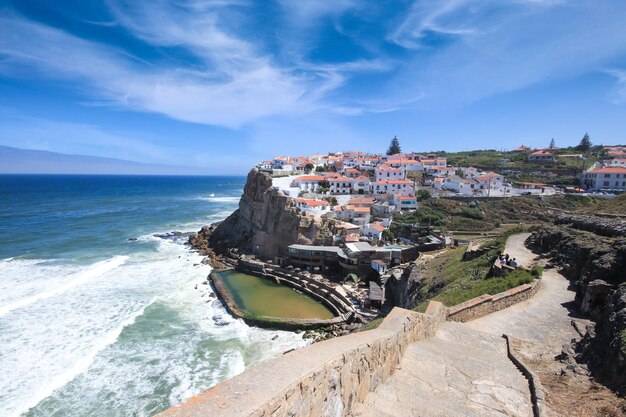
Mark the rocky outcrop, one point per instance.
(602, 227)
(402, 289)
(584, 257)
(603, 348)
(265, 221)
(591, 252)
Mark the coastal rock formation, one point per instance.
(403, 291)
(603, 348)
(265, 221)
(591, 252)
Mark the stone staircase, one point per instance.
(459, 372)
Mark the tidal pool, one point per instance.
(263, 297)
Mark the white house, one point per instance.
(617, 162)
(340, 185)
(309, 183)
(469, 172)
(541, 156)
(404, 202)
(373, 230)
(439, 171)
(379, 266)
(361, 184)
(317, 207)
(385, 172)
(355, 215)
(407, 165)
(460, 185)
(489, 181)
(606, 178)
(402, 187)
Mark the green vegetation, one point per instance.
(423, 195)
(585, 143)
(394, 147)
(452, 280)
(472, 213)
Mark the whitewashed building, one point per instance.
(385, 172)
(309, 183)
(606, 178)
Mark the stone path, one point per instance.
(545, 319)
(459, 372)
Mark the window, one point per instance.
(607, 175)
(606, 183)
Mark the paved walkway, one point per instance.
(543, 320)
(464, 370)
(459, 372)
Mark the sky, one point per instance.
(220, 85)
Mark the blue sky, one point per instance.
(222, 84)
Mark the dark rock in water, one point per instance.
(275, 337)
(175, 236)
(132, 239)
(219, 321)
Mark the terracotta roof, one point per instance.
(310, 178)
(340, 179)
(385, 167)
(609, 170)
(375, 226)
(362, 178)
(312, 203)
(542, 152)
(394, 182)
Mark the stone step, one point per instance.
(459, 372)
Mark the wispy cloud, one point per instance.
(619, 94)
(500, 47)
(233, 84)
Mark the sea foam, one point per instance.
(95, 270)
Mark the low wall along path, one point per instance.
(413, 364)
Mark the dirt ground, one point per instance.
(567, 393)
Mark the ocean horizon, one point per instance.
(100, 317)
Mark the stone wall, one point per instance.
(323, 379)
(486, 304)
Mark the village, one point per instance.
(359, 194)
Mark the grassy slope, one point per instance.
(487, 215)
(451, 280)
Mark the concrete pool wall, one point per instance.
(334, 301)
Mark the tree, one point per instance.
(585, 143)
(423, 195)
(394, 147)
(309, 167)
(552, 143)
(388, 235)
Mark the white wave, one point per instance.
(221, 199)
(93, 271)
(83, 363)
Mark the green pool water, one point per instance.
(263, 297)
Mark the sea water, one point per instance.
(98, 317)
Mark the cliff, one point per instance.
(591, 253)
(265, 221)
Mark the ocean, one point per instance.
(98, 317)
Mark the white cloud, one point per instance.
(619, 95)
(500, 47)
(232, 86)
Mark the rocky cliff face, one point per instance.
(591, 253)
(265, 220)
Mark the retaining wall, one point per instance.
(324, 379)
(486, 304)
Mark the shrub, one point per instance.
(472, 213)
(536, 271)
